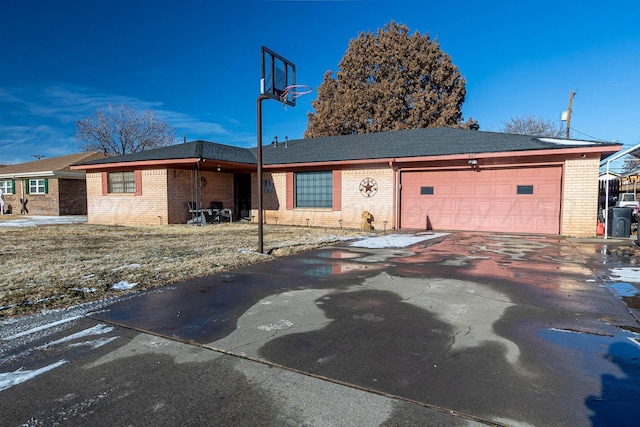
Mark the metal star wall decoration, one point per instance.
(368, 187)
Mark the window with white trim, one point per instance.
(7, 187)
(37, 186)
(313, 189)
(122, 182)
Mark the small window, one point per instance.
(122, 182)
(37, 186)
(426, 190)
(525, 189)
(7, 187)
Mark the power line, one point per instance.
(590, 136)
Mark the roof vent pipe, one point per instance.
(474, 126)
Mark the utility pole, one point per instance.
(571, 95)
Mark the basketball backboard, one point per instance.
(277, 75)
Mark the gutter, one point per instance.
(46, 174)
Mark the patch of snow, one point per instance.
(251, 252)
(628, 274)
(94, 344)
(33, 221)
(41, 328)
(9, 379)
(559, 141)
(394, 240)
(282, 324)
(99, 329)
(124, 267)
(123, 285)
(85, 290)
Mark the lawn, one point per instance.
(58, 266)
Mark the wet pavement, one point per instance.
(460, 329)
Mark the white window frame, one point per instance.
(37, 186)
(6, 186)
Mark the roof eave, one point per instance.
(44, 174)
(449, 157)
(141, 163)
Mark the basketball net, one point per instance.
(295, 91)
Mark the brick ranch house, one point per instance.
(436, 178)
(48, 186)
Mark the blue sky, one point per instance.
(197, 63)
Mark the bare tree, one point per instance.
(123, 130)
(630, 163)
(529, 125)
(388, 81)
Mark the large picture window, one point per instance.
(313, 189)
(122, 182)
(7, 187)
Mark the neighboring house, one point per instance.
(612, 181)
(436, 178)
(47, 186)
(630, 182)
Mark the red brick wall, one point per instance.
(72, 196)
(37, 204)
(163, 199)
(348, 208)
(148, 208)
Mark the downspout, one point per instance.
(199, 183)
(394, 214)
(606, 204)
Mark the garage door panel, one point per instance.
(546, 189)
(503, 190)
(486, 201)
(502, 208)
(525, 207)
(522, 173)
(463, 190)
(444, 190)
(484, 190)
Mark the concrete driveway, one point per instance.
(456, 329)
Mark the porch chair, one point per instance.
(220, 213)
(197, 215)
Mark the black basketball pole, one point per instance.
(259, 155)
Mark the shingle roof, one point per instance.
(410, 143)
(48, 165)
(188, 150)
(382, 145)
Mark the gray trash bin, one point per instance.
(619, 222)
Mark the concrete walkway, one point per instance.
(457, 329)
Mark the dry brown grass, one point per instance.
(57, 266)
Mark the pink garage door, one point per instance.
(523, 200)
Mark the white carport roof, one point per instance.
(634, 151)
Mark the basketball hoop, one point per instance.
(294, 92)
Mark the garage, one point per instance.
(520, 200)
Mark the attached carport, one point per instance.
(520, 199)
